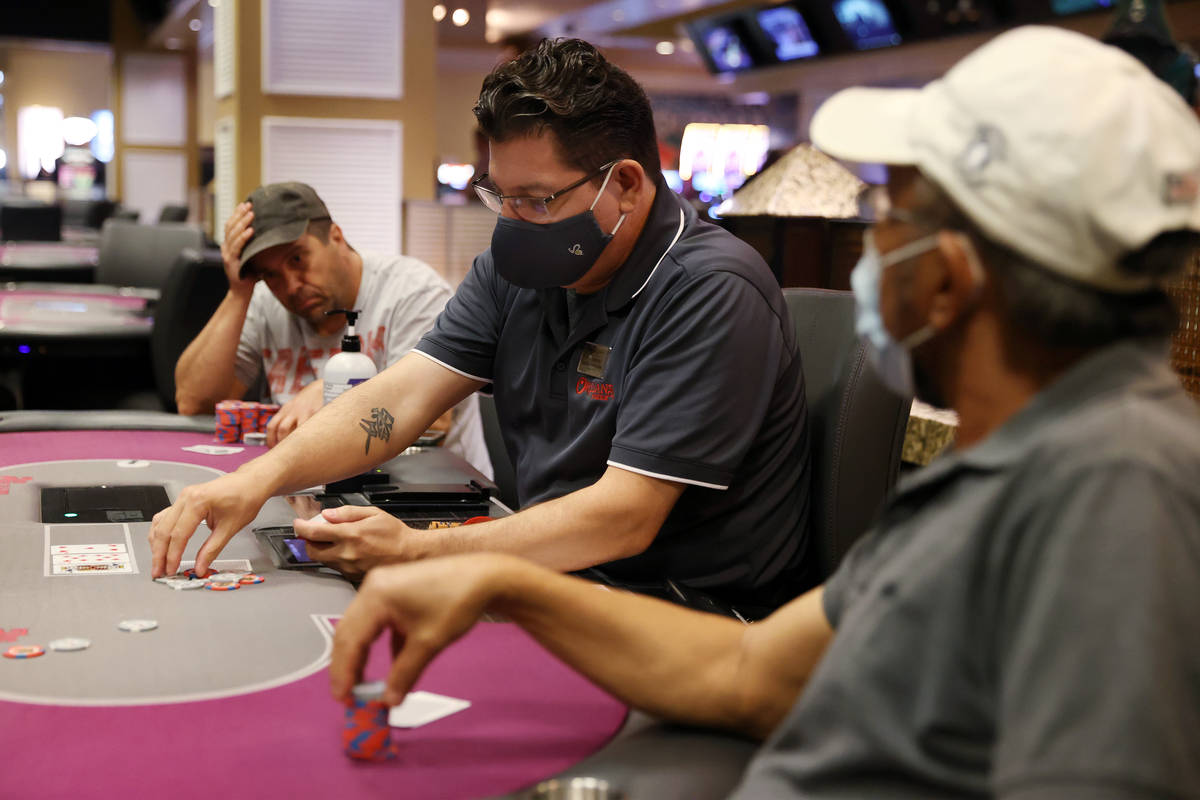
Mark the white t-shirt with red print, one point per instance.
(399, 299)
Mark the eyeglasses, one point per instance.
(879, 204)
(528, 206)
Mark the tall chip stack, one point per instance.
(365, 734)
(229, 422)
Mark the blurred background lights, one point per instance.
(456, 176)
(78, 131)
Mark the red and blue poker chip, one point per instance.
(25, 651)
(222, 587)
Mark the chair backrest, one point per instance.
(194, 287)
(142, 255)
(173, 213)
(30, 222)
(856, 424)
(86, 213)
(504, 475)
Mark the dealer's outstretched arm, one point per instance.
(616, 517)
(678, 664)
(364, 427)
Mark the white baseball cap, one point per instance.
(1061, 148)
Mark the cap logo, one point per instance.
(575, 250)
(986, 147)
(1181, 188)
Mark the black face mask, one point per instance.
(542, 256)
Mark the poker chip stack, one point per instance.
(229, 421)
(236, 418)
(265, 412)
(366, 735)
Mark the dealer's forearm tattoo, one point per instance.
(378, 426)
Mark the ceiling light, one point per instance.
(195, 24)
(460, 17)
(439, 12)
(664, 48)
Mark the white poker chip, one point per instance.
(137, 625)
(180, 586)
(225, 577)
(70, 644)
(171, 580)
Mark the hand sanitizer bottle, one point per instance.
(349, 367)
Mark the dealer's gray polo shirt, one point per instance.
(702, 386)
(1022, 623)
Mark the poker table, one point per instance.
(53, 334)
(229, 693)
(48, 261)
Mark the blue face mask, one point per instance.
(544, 255)
(892, 359)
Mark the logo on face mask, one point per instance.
(575, 250)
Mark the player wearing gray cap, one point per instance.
(288, 263)
(1020, 621)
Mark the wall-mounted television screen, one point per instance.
(788, 33)
(728, 48)
(867, 23)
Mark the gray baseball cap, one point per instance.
(282, 212)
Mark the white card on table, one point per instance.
(80, 549)
(421, 708)
(212, 450)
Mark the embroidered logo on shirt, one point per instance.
(595, 390)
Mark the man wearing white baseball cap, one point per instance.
(1019, 622)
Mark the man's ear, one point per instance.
(962, 280)
(335, 234)
(629, 175)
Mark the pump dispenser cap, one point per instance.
(351, 343)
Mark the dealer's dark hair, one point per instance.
(1057, 310)
(595, 110)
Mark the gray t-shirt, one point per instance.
(399, 297)
(1020, 622)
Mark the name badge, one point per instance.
(594, 359)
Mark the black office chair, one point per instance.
(80, 213)
(141, 255)
(856, 424)
(503, 473)
(29, 221)
(194, 287)
(173, 213)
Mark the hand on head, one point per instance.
(237, 233)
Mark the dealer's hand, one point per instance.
(237, 233)
(354, 539)
(295, 411)
(226, 505)
(426, 605)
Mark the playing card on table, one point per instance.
(421, 708)
(82, 549)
